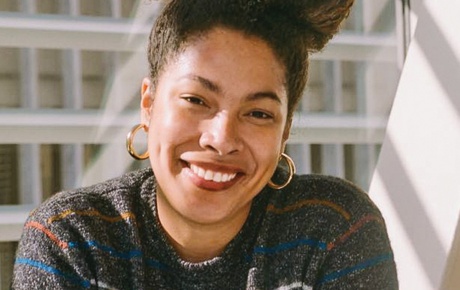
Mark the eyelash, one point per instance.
(194, 100)
(260, 115)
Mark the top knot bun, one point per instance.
(325, 17)
(318, 20)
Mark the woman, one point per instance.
(225, 77)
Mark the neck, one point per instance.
(198, 245)
(197, 242)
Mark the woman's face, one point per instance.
(216, 122)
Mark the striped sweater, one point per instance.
(317, 233)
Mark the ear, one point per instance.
(146, 101)
(286, 133)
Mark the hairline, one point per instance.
(174, 52)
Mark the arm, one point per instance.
(360, 258)
(43, 259)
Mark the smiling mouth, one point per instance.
(211, 175)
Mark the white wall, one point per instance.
(417, 181)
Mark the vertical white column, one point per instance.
(71, 154)
(374, 89)
(29, 154)
(360, 152)
(301, 153)
(115, 8)
(333, 160)
(363, 154)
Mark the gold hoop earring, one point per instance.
(291, 166)
(129, 143)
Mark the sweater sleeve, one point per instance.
(359, 256)
(43, 259)
(360, 259)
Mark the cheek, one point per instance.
(266, 147)
(168, 128)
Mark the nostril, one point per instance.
(220, 135)
(219, 146)
(209, 147)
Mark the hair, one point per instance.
(292, 28)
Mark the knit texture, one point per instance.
(317, 233)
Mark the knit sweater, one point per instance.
(317, 233)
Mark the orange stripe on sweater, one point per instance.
(307, 202)
(111, 219)
(354, 228)
(47, 232)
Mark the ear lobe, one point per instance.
(146, 101)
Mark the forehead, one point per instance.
(226, 55)
(220, 37)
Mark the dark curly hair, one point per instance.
(292, 28)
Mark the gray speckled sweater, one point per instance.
(317, 233)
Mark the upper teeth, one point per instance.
(211, 175)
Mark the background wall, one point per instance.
(416, 182)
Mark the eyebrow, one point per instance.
(213, 87)
(264, 95)
(208, 84)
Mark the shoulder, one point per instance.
(323, 204)
(113, 195)
(329, 191)
(57, 235)
(332, 226)
(105, 213)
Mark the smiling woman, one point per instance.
(211, 212)
(220, 122)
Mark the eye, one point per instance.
(260, 115)
(194, 100)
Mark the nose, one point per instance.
(220, 134)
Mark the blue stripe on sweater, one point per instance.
(110, 250)
(366, 264)
(117, 254)
(290, 245)
(71, 278)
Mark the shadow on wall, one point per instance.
(437, 50)
(413, 217)
(419, 165)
